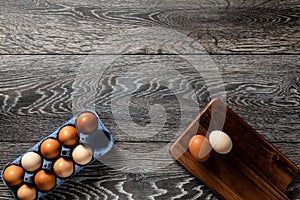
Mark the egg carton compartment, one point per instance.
(91, 144)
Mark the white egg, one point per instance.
(31, 161)
(220, 142)
(82, 154)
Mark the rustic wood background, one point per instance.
(255, 45)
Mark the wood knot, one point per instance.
(273, 157)
(135, 176)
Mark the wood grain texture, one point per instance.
(220, 27)
(37, 91)
(100, 181)
(267, 98)
(35, 102)
(254, 169)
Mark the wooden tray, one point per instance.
(254, 169)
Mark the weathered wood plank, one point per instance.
(123, 179)
(150, 151)
(263, 90)
(21, 4)
(219, 27)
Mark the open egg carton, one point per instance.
(57, 157)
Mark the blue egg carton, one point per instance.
(101, 141)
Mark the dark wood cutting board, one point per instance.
(254, 169)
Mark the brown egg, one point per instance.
(50, 148)
(82, 154)
(13, 175)
(63, 168)
(68, 136)
(26, 192)
(86, 122)
(200, 147)
(44, 181)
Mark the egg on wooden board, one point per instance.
(199, 147)
(220, 142)
(68, 136)
(50, 148)
(63, 168)
(13, 175)
(44, 181)
(82, 154)
(31, 161)
(26, 192)
(87, 123)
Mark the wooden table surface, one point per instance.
(52, 49)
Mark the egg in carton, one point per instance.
(57, 157)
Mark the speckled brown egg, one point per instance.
(68, 136)
(63, 168)
(44, 181)
(13, 175)
(26, 192)
(50, 148)
(87, 122)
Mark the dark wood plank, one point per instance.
(291, 150)
(35, 102)
(120, 179)
(254, 169)
(36, 91)
(216, 27)
(19, 4)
